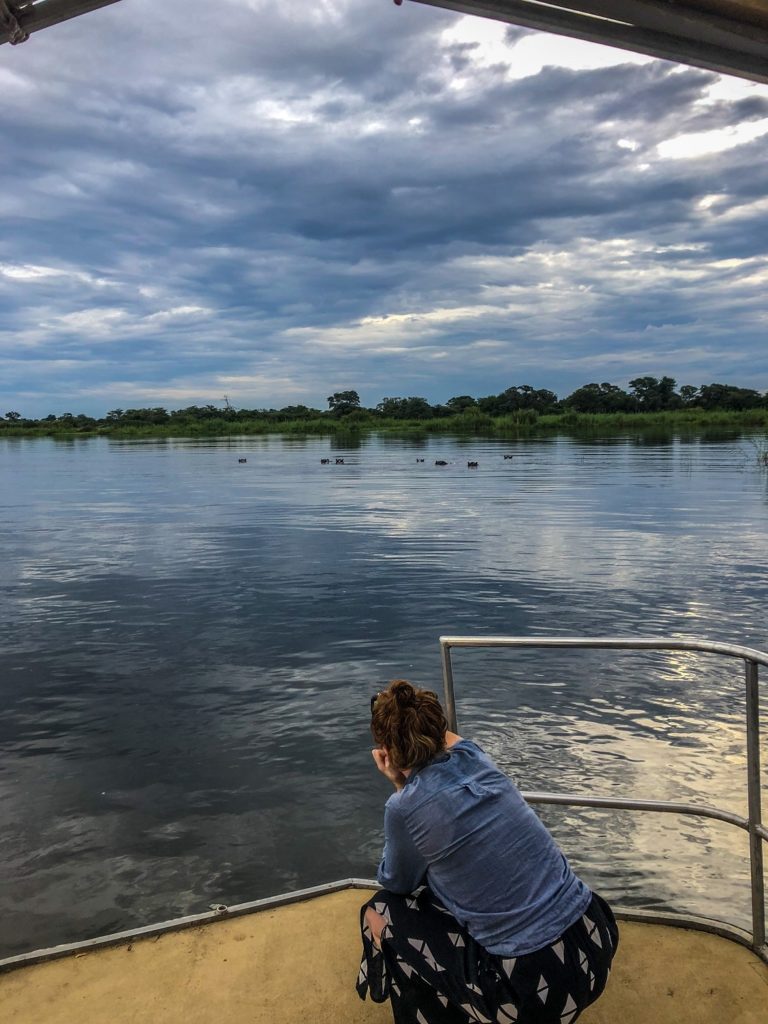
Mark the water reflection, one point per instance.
(189, 644)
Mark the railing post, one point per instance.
(753, 794)
(450, 699)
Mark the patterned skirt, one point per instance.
(434, 972)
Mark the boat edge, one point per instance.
(222, 912)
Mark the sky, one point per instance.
(273, 202)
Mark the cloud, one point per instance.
(179, 312)
(697, 144)
(398, 200)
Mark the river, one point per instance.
(189, 644)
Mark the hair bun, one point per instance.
(403, 692)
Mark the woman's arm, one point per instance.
(402, 867)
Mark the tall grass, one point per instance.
(524, 423)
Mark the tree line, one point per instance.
(645, 394)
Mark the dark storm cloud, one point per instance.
(260, 201)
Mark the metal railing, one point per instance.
(752, 824)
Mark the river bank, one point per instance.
(526, 423)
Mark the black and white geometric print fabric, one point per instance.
(434, 972)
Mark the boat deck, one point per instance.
(298, 963)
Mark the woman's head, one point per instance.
(409, 723)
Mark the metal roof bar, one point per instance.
(681, 32)
(728, 36)
(33, 15)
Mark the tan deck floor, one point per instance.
(297, 965)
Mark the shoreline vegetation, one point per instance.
(511, 425)
(651, 405)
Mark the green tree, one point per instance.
(296, 412)
(597, 398)
(517, 398)
(460, 403)
(727, 396)
(155, 415)
(13, 417)
(413, 408)
(688, 394)
(196, 412)
(342, 402)
(653, 395)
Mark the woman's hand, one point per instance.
(385, 766)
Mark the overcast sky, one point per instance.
(275, 201)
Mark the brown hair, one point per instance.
(410, 723)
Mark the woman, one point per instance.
(480, 917)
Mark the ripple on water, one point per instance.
(190, 644)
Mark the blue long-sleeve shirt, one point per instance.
(462, 827)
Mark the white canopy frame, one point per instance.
(729, 36)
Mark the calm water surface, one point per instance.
(189, 645)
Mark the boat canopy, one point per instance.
(19, 18)
(729, 36)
